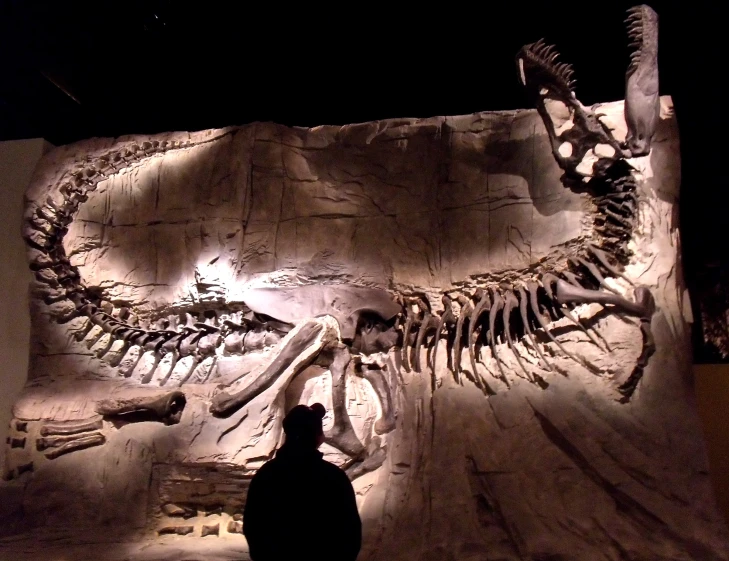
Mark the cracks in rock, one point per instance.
(489, 508)
(47, 355)
(200, 221)
(625, 504)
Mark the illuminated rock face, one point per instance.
(208, 282)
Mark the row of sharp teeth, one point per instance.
(547, 54)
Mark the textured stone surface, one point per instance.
(408, 206)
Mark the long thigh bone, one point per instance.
(224, 404)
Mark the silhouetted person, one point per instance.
(300, 507)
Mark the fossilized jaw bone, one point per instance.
(642, 103)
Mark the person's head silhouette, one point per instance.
(303, 425)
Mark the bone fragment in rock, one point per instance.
(81, 443)
(568, 293)
(21, 426)
(182, 511)
(16, 442)
(523, 312)
(178, 530)
(379, 383)
(21, 469)
(45, 442)
(342, 435)
(224, 404)
(496, 306)
(49, 429)
(447, 320)
(210, 529)
(235, 527)
(166, 408)
(510, 303)
(210, 510)
(373, 461)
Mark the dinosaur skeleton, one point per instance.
(372, 322)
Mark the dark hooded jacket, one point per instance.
(301, 507)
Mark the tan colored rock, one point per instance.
(180, 236)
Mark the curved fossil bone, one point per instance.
(467, 308)
(496, 306)
(510, 303)
(224, 404)
(645, 299)
(447, 320)
(483, 305)
(523, 304)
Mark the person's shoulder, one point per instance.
(333, 471)
(266, 470)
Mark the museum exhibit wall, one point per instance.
(412, 276)
(18, 159)
(712, 398)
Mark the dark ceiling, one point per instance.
(71, 69)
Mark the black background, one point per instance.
(71, 70)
